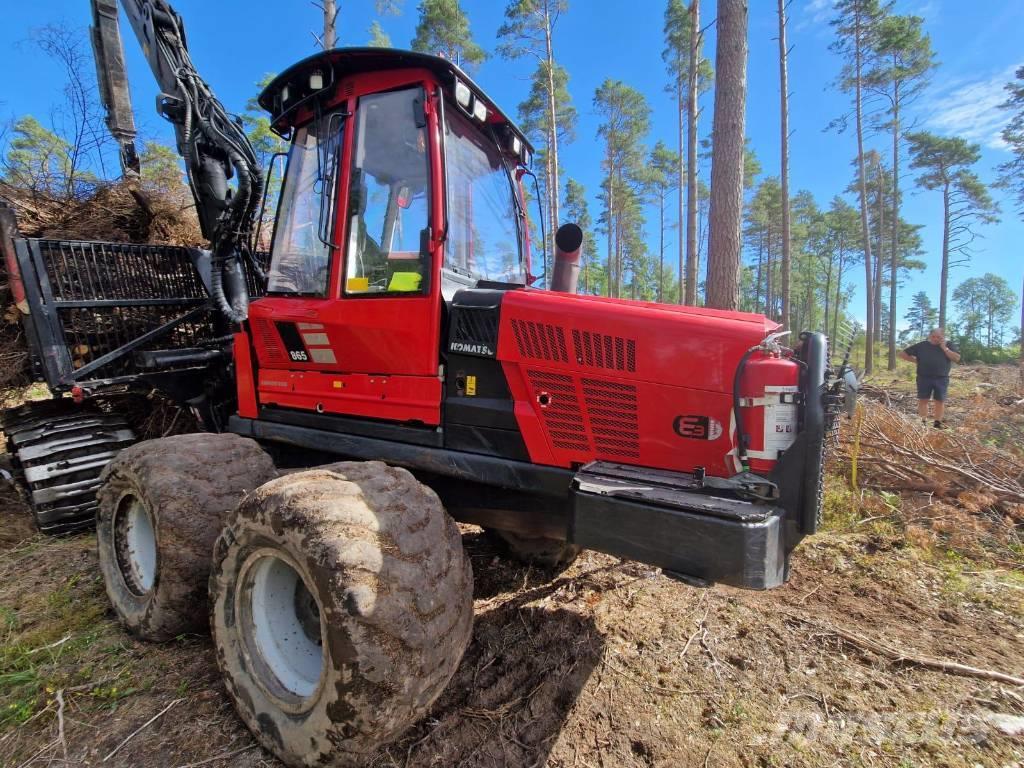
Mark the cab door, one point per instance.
(368, 346)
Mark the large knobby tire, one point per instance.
(161, 506)
(341, 602)
(536, 550)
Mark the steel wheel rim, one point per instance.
(135, 545)
(282, 628)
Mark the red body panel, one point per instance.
(393, 338)
(632, 382)
(246, 386)
(396, 398)
(591, 378)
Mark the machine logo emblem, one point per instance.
(697, 427)
(472, 349)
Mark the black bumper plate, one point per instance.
(660, 518)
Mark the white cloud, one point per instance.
(969, 108)
(816, 13)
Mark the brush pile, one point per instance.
(114, 212)
(958, 486)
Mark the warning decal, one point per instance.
(781, 420)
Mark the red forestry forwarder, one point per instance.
(394, 326)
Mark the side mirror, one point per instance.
(404, 197)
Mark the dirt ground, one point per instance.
(606, 664)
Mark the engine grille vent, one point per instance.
(475, 326)
(563, 416)
(612, 410)
(270, 341)
(540, 341)
(598, 350)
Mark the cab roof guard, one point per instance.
(294, 87)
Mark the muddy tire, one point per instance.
(536, 550)
(341, 604)
(162, 504)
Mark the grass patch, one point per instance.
(51, 638)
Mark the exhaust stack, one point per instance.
(568, 246)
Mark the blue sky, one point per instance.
(234, 42)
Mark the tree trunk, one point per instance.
(784, 127)
(757, 282)
(944, 274)
(619, 252)
(692, 203)
(828, 297)
(839, 298)
(727, 164)
(878, 254)
(683, 177)
(330, 24)
(661, 250)
(553, 123)
(895, 245)
(550, 239)
(869, 347)
(610, 221)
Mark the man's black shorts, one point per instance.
(929, 387)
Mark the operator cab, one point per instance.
(402, 187)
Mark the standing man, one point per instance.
(934, 357)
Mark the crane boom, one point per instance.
(211, 142)
(113, 82)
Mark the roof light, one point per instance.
(515, 145)
(462, 94)
(480, 111)
(284, 94)
(316, 80)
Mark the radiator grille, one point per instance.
(612, 411)
(598, 350)
(540, 341)
(562, 415)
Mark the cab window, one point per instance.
(299, 253)
(388, 203)
(483, 231)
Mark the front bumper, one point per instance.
(662, 518)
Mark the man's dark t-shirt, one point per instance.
(931, 360)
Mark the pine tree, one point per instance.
(922, 315)
(905, 59)
(691, 76)
(1011, 173)
(443, 29)
(985, 306)
(38, 160)
(528, 31)
(534, 120)
(856, 24)
(787, 241)
(378, 37)
(661, 180)
(944, 163)
(625, 121)
(727, 163)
